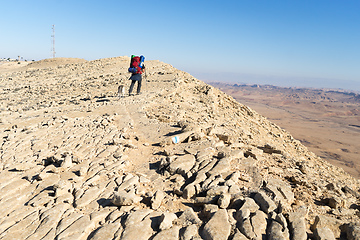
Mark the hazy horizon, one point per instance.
(281, 81)
(263, 41)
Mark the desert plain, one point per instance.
(327, 121)
(182, 160)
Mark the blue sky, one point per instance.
(312, 43)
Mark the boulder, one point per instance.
(324, 234)
(182, 164)
(298, 224)
(157, 199)
(224, 200)
(265, 202)
(123, 198)
(166, 220)
(168, 234)
(218, 227)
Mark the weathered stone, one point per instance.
(209, 209)
(129, 183)
(221, 166)
(81, 227)
(157, 199)
(168, 234)
(335, 202)
(182, 164)
(323, 234)
(242, 214)
(265, 202)
(62, 187)
(298, 225)
(167, 220)
(352, 231)
(280, 218)
(190, 232)
(124, 198)
(224, 200)
(250, 204)
(189, 191)
(231, 214)
(239, 236)
(188, 217)
(217, 190)
(327, 222)
(67, 221)
(218, 227)
(67, 143)
(88, 196)
(136, 216)
(206, 200)
(107, 231)
(259, 224)
(67, 162)
(277, 231)
(140, 230)
(246, 228)
(282, 191)
(49, 219)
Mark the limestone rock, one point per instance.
(139, 230)
(167, 220)
(168, 234)
(188, 217)
(218, 227)
(190, 232)
(106, 231)
(327, 222)
(239, 236)
(224, 200)
(250, 204)
(324, 233)
(246, 228)
(277, 231)
(259, 223)
(352, 231)
(298, 225)
(157, 199)
(124, 198)
(182, 164)
(265, 202)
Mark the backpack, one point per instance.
(136, 64)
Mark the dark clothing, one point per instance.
(135, 78)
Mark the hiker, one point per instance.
(136, 68)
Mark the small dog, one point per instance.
(121, 91)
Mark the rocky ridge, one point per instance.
(78, 162)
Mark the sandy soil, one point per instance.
(325, 121)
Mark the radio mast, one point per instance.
(53, 41)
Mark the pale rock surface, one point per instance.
(79, 162)
(124, 198)
(218, 227)
(167, 220)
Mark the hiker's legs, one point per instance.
(131, 86)
(138, 87)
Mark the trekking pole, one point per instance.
(145, 77)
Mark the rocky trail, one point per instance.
(78, 162)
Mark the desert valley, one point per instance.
(327, 121)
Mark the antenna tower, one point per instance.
(53, 41)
